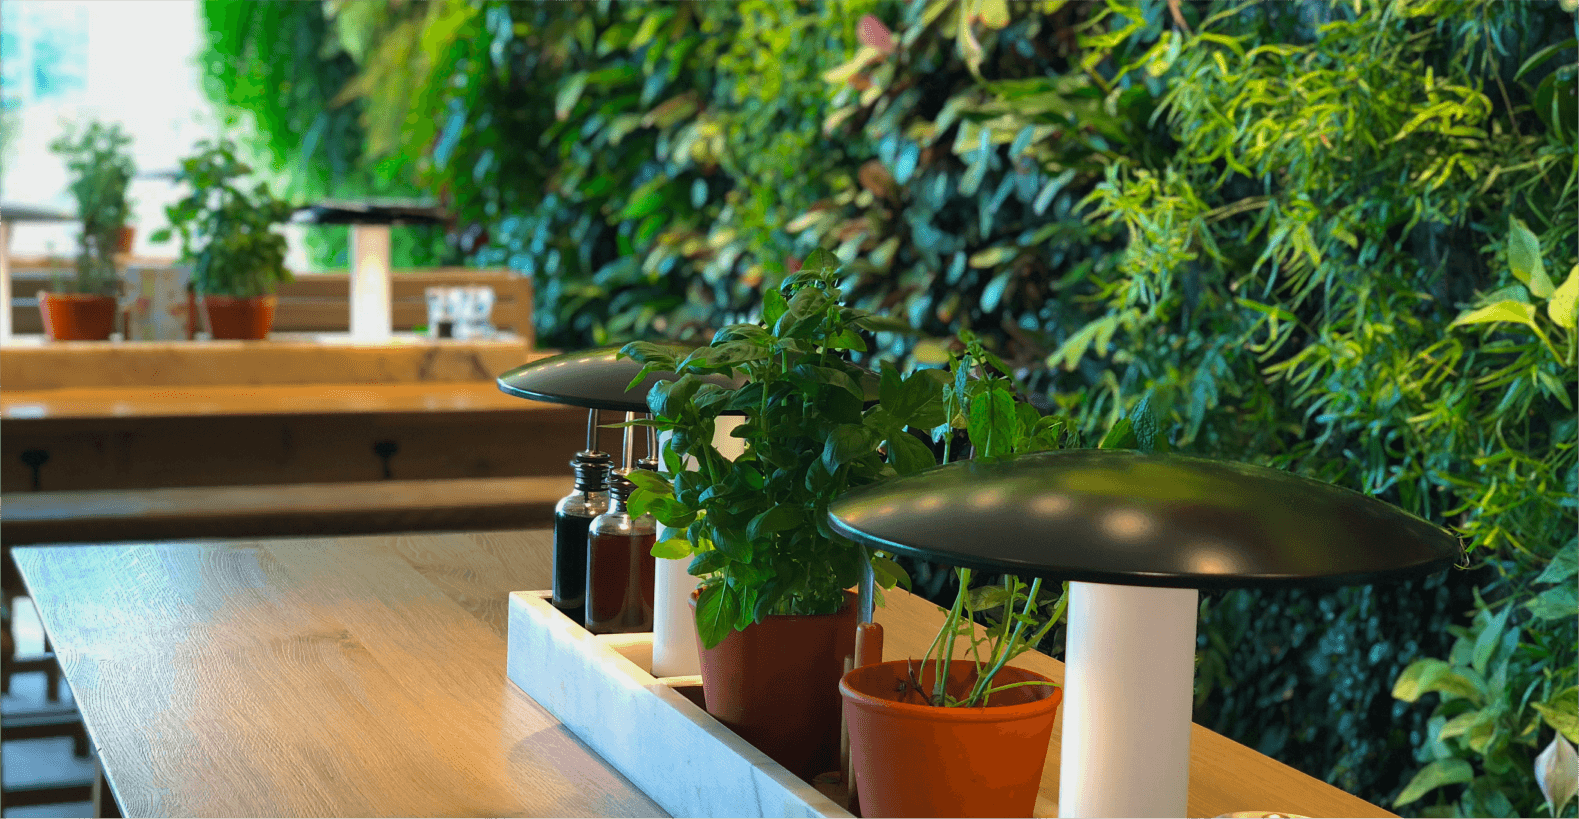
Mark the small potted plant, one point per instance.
(99, 162)
(953, 735)
(772, 612)
(227, 235)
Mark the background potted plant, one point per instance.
(101, 168)
(772, 613)
(227, 234)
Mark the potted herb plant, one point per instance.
(98, 159)
(960, 732)
(963, 736)
(773, 615)
(227, 235)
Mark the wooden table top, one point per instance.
(100, 403)
(356, 676)
(366, 676)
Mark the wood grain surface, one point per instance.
(365, 676)
(282, 359)
(77, 403)
(356, 676)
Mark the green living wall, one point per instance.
(1335, 238)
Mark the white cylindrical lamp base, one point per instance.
(674, 649)
(370, 283)
(1128, 685)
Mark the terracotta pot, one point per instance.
(124, 240)
(239, 317)
(913, 759)
(77, 316)
(776, 684)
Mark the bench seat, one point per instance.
(94, 516)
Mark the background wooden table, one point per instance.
(366, 676)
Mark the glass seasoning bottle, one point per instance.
(621, 571)
(572, 516)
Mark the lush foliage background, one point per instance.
(1334, 238)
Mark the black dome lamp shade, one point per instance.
(1137, 534)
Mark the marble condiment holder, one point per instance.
(601, 688)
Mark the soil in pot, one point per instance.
(77, 316)
(914, 759)
(776, 684)
(240, 317)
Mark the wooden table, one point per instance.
(366, 676)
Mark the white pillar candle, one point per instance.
(370, 283)
(674, 651)
(1128, 684)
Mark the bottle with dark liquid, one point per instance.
(572, 517)
(621, 571)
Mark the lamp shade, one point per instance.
(370, 212)
(1139, 519)
(597, 379)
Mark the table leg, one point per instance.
(1128, 685)
(370, 283)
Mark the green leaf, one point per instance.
(649, 481)
(569, 94)
(674, 548)
(1524, 258)
(1556, 603)
(642, 206)
(887, 573)
(1505, 310)
(992, 423)
(716, 611)
(909, 455)
(776, 519)
(1437, 774)
(820, 260)
(773, 307)
(1121, 436)
(845, 443)
(1562, 305)
(1564, 564)
(1424, 676)
(1562, 713)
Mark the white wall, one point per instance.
(140, 70)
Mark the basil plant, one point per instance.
(756, 528)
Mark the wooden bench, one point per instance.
(319, 302)
(475, 504)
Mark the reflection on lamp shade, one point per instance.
(1128, 524)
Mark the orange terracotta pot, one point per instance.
(124, 239)
(240, 317)
(776, 684)
(913, 759)
(77, 316)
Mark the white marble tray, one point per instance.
(600, 687)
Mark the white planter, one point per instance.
(600, 687)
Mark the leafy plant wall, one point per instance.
(276, 71)
(1335, 238)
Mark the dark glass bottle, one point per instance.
(572, 516)
(621, 571)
